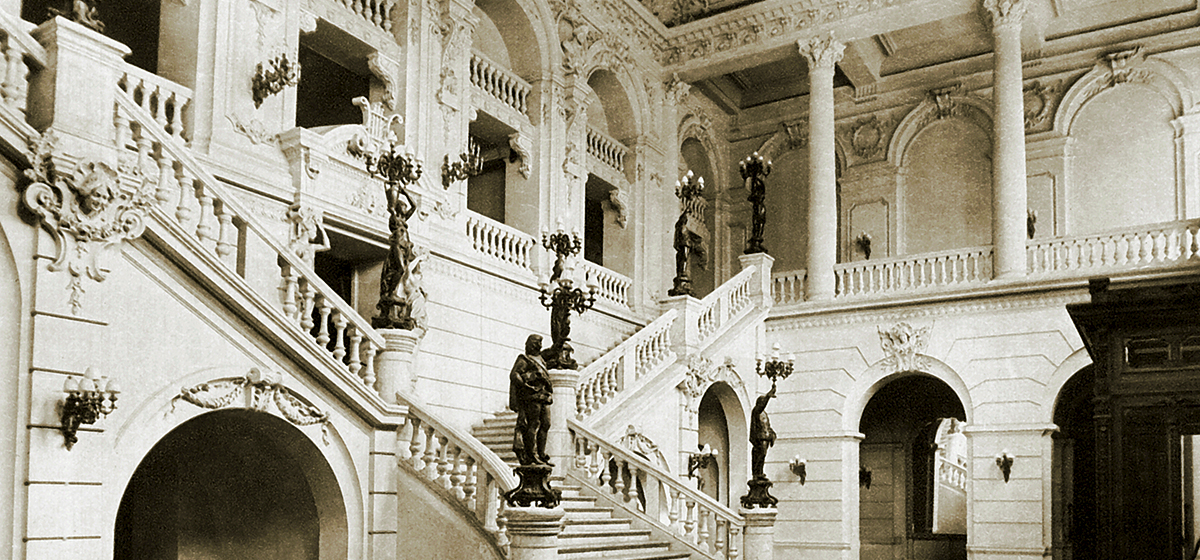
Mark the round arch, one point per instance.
(732, 405)
(928, 113)
(880, 373)
(201, 474)
(784, 140)
(1159, 75)
(1078, 360)
(622, 108)
(526, 27)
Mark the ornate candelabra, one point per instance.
(702, 460)
(561, 297)
(88, 399)
(773, 368)
(754, 170)
(689, 239)
(762, 437)
(397, 283)
(270, 79)
(470, 166)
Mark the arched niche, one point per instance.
(615, 116)
(525, 37)
(721, 424)
(943, 143)
(233, 483)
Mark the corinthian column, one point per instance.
(822, 54)
(1008, 171)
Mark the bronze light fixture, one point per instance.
(278, 73)
(88, 399)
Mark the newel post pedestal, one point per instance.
(558, 440)
(533, 532)
(393, 365)
(760, 533)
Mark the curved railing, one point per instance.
(633, 358)
(499, 82)
(1163, 244)
(607, 149)
(724, 305)
(614, 286)
(914, 272)
(469, 473)
(500, 242)
(691, 516)
(209, 213)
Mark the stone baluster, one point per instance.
(339, 335)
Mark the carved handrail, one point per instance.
(216, 219)
(499, 82)
(499, 241)
(21, 52)
(614, 286)
(633, 358)
(607, 149)
(376, 12)
(788, 286)
(164, 100)
(462, 466)
(1162, 244)
(724, 304)
(691, 516)
(914, 272)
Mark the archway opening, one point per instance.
(912, 477)
(232, 484)
(1074, 469)
(713, 475)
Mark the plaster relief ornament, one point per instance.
(307, 236)
(87, 213)
(701, 374)
(869, 139)
(257, 390)
(903, 345)
(1040, 102)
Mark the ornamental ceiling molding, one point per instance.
(87, 212)
(585, 47)
(903, 346)
(259, 391)
(940, 104)
(762, 23)
(702, 374)
(1056, 300)
(1129, 66)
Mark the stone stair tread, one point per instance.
(604, 534)
(609, 521)
(613, 547)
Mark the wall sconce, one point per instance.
(88, 399)
(798, 468)
(1005, 461)
(864, 477)
(702, 460)
(863, 243)
(278, 73)
(470, 166)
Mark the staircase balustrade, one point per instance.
(500, 242)
(788, 287)
(469, 474)
(161, 98)
(376, 12)
(499, 82)
(213, 217)
(914, 272)
(632, 359)
(724, 305)
(691, 516)
(614, 286)
(21, 51)
(608, 150)
(1157, 245)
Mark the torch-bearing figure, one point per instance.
(689, 231)
(754, 170)
(397, 171)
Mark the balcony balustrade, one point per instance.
(610, 151)
(499, 82)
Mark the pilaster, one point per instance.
(1187, 146)
(822, 53)
(1006, 517)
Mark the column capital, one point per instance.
(821, 52)
(1005, 14)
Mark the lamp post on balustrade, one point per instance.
(689, 231)
(560, 295)
(754, 170)
(762, 437)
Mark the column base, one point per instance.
(760, 495)
(534, 488)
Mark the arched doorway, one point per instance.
(1074, 469)
(232, 484)
(912, 498)
(713, 473)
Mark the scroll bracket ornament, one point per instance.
(903, 344)
(86, 212)
(257, 390)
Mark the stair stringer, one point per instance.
(639, 519)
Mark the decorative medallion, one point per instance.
(87, 212)
(256, 391)
(868, 138)
(903, 345)
(1040, 102)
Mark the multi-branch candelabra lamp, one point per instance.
(560, 295)
(689, 228)
(754, 171)
(762, 437)
(271, 78)
(88, 399)
(773, 368)
(397, 284)
(471, 164)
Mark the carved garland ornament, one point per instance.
(869, 138)
(257, 391)
(86, 212)
(701, 374)
(903, 346)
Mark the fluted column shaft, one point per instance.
(1009, 204)
(822, 54)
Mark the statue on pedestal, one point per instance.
(762, 438)
(689, 232)
(754, 169)
(396, 281)
(530, 395)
